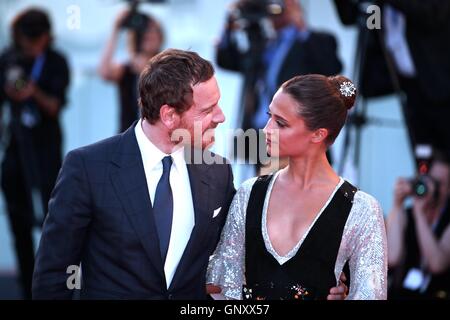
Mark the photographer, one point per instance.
(33, 82)
(277, 51)
(419, 236)
(145, 39)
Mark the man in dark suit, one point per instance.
(415, 36)
(140, 211)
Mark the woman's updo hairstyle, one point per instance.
(323, 102)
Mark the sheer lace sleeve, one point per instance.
(368, 250)
(227, 264)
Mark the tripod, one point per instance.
(251, 66)
(358, 119)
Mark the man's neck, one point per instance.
(158, 136)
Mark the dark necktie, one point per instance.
(163, 207)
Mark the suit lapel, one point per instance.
(130, 184)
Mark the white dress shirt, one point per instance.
(183, 209)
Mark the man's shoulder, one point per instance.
(218, 171)
(215, 166)
(99, 150)
(215, 162)
(204, 157)
(218, 159)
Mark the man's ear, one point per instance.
(169, 117)
(319, 135)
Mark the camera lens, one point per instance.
(419, 187)
(420, 190)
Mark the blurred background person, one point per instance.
(409, 53)
(145, 39)
(419, 235)
(33, 82)
(279, 45)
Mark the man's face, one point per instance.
(33, 47)
(280, 21)
(292, 14)
(204, 115)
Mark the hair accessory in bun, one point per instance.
(347, 89)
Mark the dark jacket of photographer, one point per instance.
(33, 153)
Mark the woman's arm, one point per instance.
(368, 259)
(395, 228)
(227, 264)
(396, 223)
(109, 70)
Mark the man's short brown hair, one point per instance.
(168, 79)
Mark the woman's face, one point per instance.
(286, 132)
(152, 39)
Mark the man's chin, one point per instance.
(203, 145)
(208, 145)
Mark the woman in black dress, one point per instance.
(288, 235)
(143, 45)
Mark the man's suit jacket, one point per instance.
(100, 214)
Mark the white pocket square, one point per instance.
(216, 212)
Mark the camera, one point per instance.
(15, 77)
(420, 184)
(253, 11)
(252, 17)
(135, 20)
(420, 187)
